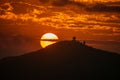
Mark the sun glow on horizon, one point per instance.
(48, 39)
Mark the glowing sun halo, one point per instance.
(48, 39)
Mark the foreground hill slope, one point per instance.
(63, 60)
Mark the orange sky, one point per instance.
(80, 19)
(23, 22)
(64, 18)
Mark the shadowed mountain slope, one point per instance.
(69, 60)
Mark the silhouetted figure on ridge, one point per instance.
(74, 39)
(84, 42)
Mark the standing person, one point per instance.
(74, 38)
(84, 42)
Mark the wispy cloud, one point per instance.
(68, 16)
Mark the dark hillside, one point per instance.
(69, 60)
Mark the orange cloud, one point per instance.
(64, 17)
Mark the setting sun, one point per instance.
(48, 39)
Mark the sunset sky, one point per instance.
(23, 22)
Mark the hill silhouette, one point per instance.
(65, 60)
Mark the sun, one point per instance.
(48, 39)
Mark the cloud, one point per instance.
(103, 8)
(61, 2)
(64, 17)
(5, 8)
(96, 7)
(56, 2)
(10, 11)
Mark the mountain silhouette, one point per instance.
(64, 60)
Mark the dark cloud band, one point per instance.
(103, 8)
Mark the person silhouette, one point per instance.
(84, 42)
(74, 38)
